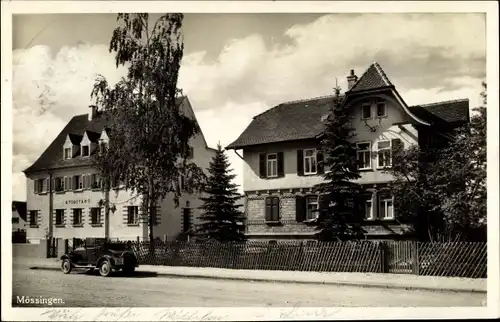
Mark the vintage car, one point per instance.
(101, 254)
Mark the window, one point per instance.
(310, 161)
(59, 184)
(272, 165)
(77, 183)
(190, 153)
(67, 153)
(364, 155)
(368, 208)
(384, 154)
(95, 216)
(59, 217)
(381, 109)
(312, 207)
(77, 217)
(95, 181)
(85, 150)
(133, 215)
(15, 220)
(366, 110)
(33, 218)
(272, 209)
(41, 185)
(186, 220)
(386, 207)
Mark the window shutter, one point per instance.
(281, 165)
(35, 187)
(74, 182)
(319, 161)
(300, 162)
(46, 185)
(53, 185)
(275, 209)
(262, 165)
(300, 208)
(269, 209)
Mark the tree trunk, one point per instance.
(150, 211)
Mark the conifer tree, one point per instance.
(340, 215)
(221, 218)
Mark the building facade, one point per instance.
(64, 189)
(18, 216)
(281, 154)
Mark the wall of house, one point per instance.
(385, 130)
(174, 225)
(170, 222)
(84, 199)
(292, 184)
(21, 224)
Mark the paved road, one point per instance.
(146, 289)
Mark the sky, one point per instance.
(238, 65)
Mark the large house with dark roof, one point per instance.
(281, 154)
(64, 189)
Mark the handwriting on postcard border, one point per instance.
(130, 314)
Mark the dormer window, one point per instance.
(67, 153)
(85, 151)
(381, 109)
(366, 110)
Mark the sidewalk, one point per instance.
(400, 281)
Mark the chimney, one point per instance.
(93, 114)
(351, 80)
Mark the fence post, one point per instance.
(415, 261)
(384, 263)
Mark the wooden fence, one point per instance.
(460, 259)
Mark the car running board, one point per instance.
(84, 266)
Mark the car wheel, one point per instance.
(105, 268)
(66, 266)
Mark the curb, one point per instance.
(278, 280)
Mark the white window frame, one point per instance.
(61, 181)
(312, 200)
(80, 182)
(383, 208)
(136, 215)
(68, 155)
(88, 150)
(269, 163)
(383, 149)
(381, 102)
(99, 214)
(369, 150)
(313, 157)
(36, 213)
(369, 216)
(74, 215)
(62, 217)
(369, 105)
(95, 178)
